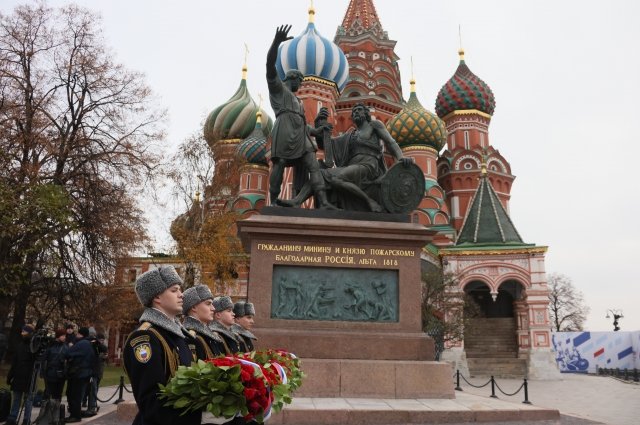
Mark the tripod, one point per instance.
(33, 384)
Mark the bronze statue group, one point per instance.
(353, 183)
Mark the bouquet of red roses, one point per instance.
(282, 370)
(225, 387)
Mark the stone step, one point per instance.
(495, 354)
(491, 345)
(331, 411)
(498, 367)
(494, 342)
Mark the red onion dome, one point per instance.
(464, 91)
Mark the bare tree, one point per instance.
(78, 137)
(445, 310)
(567, 309)
(191, 168)
(205, 233)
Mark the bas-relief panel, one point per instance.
(345, 294)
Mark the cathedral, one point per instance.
(467, 181)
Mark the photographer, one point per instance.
(91, 394)
(81, 360)
(55, 366)
(19, 377)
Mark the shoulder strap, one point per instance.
(171, 358)
(144, 326)
(226, 347)
(207, 349)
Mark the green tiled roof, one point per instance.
(487, 222)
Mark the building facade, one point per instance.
(468, 181)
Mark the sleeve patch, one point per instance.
(142, 338)
(142, 352)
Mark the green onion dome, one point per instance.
(464, 91)
(414, 125)
(254, 148)
(236, 118)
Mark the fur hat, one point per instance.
(222, 303)
(194, 296)
(238, 308)
(243, 308)
(84, 331)
(154, 282)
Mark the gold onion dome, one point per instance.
(236, 118)
(414, 125)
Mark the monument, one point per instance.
(342, 289)
(345, 296)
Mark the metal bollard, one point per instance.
(526, 392)
(493, 388)
(458, 388)
(635, 375)
(120, 391)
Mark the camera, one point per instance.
(41, 340)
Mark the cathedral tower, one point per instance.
(466, 104)
(374, 76)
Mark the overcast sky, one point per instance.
(565, 75)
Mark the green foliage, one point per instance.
(202, 385)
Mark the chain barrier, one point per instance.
(622, 374)
(494, 385)
(120, 391)
(109, 399)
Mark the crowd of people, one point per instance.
(210, 327)
(76, 358)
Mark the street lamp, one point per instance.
(617, 314)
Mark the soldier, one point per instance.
(244, 313)
(198, 310)
(154, 351)
(221, 325)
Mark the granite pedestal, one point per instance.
(370, 345)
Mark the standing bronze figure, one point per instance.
(291, 142)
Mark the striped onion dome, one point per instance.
(464, 91)
(254, 148)
(414, 125)
(313, 55)
(236, 118)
